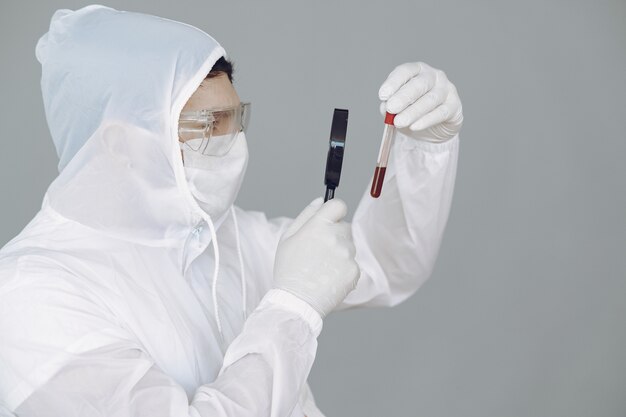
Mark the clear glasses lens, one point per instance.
(213, 132)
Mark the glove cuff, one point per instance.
(409, 143)
(295, 304)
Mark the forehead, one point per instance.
(216, 92)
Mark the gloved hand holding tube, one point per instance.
(315, 256)
(426, 104)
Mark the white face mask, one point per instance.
(214, 181)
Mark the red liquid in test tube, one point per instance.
(383, 156)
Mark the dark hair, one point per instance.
(222, 66)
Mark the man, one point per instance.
(112, 302)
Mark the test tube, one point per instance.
(383, 155)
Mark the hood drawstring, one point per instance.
(216, 270)
(244, 309)
(216, 253)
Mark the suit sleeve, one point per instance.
(62, 354)
(398, 235)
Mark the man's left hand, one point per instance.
(426, 104)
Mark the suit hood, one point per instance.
(113, 85)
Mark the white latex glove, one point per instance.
(315, 256)
(426, 104)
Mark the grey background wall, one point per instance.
(525, 314)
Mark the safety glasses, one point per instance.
(213, 132)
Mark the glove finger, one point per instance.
(303, 217)
(398, 77)
(454, 104)
(344, 230)
(439, 115)
(427, 103)
(382, 108)
(411, 91)
(449, 111)
(346, 235)
(332, 211)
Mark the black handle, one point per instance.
(336, 146)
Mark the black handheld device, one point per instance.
(336, 147)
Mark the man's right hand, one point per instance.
(315, 256)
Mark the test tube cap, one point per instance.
(389, 118)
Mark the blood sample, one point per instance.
(383, 155)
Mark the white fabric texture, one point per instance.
(108, 297)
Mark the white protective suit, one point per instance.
(107, 305)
